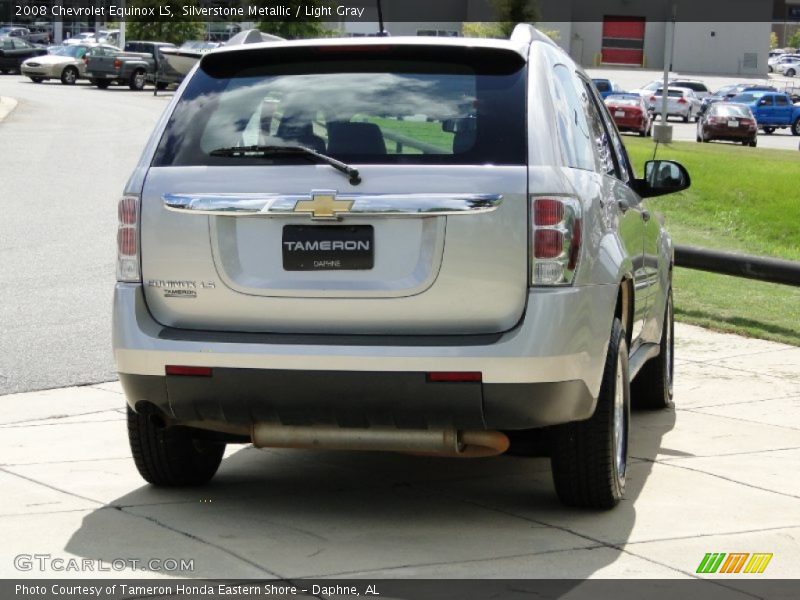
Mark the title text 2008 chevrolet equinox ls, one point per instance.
(398, 244)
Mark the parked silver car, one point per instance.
(681, 102)
(421, 245)
(66, 63)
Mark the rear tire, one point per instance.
(589, 458)
(69, 76)
(652, 387)
(753, 143)
(686, 119)
(790, 73)
(137, 82)
(170, 456)
(796, 126)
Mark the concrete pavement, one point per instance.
(718, 474)
(6, 106)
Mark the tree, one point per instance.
(773, 40)
(511, 12)
(300, 27)
(177, 29)
(794, 41)
(508, 13)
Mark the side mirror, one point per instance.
(662, 177)
(762, 102)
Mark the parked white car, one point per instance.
(681, 102)
(789, 68)
(775, 61)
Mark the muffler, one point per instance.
(432, 442)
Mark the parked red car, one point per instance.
(728, 121)
(630, 113)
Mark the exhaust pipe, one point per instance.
(430, 442)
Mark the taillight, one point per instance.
(652, 98)
(117, 63)
(555, 238)
(682, 101)
(128, 240)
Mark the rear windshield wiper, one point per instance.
(246, 151)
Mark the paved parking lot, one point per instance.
(718, 474)
(631, 79)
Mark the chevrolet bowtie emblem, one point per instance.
(323, 205)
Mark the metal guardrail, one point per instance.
(773, 270)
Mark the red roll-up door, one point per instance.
(623, 40)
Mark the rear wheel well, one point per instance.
(624, 307)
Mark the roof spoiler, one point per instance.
(252, 36)
(525, 33)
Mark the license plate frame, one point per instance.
(733, 123)
(328, 247)
(619, 113)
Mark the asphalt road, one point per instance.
(65, 154)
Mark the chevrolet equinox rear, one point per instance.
(436, 247)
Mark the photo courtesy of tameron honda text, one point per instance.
(421, 256)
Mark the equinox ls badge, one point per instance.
(324, 205)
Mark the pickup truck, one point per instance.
(772, 110)
(41, 37)
(140, 63)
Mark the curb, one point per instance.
(6, 106)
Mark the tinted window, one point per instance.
(729, 110)
(619, 156)
(781, 101)
(389, 105)
(602, 85)
(692, 85)
(571, 118)
(600, 137)
(21, 45)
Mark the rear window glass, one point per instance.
(621, 101)
(413, 105)
(692, 85)
(671, 93)
(602, 85)
(728, 110)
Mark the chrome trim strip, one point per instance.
(364, 205)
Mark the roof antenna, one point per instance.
(381, 31)
(655, 150)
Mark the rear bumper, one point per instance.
(243, 397)
(545, 371)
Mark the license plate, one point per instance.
(733, 123)
(328, 248)
(619, 113)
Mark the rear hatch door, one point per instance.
(434, 240)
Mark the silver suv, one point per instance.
(430, 246)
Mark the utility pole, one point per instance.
(662, 132)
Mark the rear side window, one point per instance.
(781, 101)
(413, 105)
(573, 128)
(602, 85)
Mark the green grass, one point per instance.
(741, 199)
